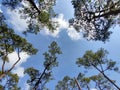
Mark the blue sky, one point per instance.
(72, 44)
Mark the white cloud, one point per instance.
(14, 19)
(12, 59)
(19, 71)
(73, 34)
(63, 24)
(49, 33)
(61, 21)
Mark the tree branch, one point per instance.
(113, 12)
(15, 62)
(106, 77)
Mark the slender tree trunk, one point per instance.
(78, 84)
(39, 80)
(107, 77)
(111, 81)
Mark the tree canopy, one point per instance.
(100, 81)
(9, 43)
(101, 63)
(94, 18)
(38, 79)
(38, 13)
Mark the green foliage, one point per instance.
(43, 17)
(101, 82)
(50, 56)
(11, 42)
(98, 60)
(5, 58)
(38, 79)
(38, 13)
(97, 81)
(11, 82)
(66, 84)
(95, 17)
(33, 74)
(1, 87)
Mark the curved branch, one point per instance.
(15, 62)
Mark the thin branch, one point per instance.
(113, 12)
(111, 7)
(5, 73)
(15, 62)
